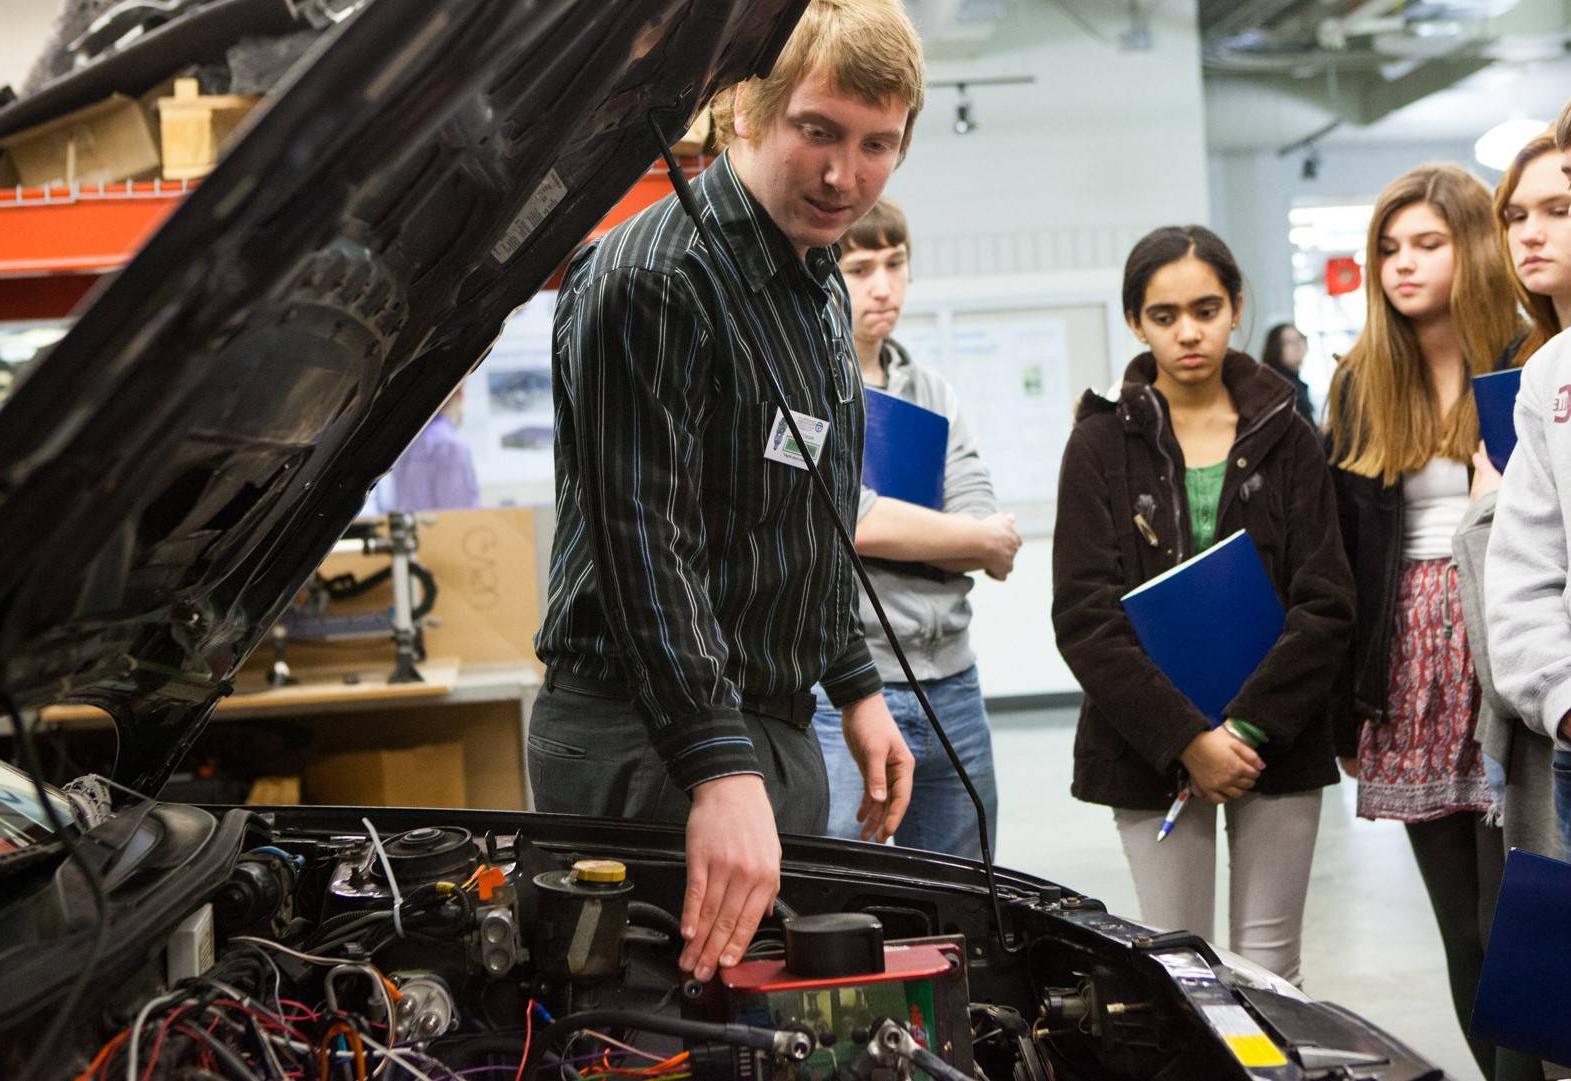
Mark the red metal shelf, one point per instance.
(55, 242)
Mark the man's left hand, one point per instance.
(886, 764)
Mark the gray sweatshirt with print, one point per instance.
(1528, 602)
(928, 607)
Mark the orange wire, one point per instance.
(324, 1051)
(655, 1070)
(103, 1056)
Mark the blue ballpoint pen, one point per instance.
(1172, 812)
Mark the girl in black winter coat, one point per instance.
(1202, 442)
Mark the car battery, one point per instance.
(839, 981)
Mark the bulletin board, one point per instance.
(507, 419)
(1020, 350)
(1019, 354)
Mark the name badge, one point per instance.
(781, 444)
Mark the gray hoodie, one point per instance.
(1528, 602)
(928, 607)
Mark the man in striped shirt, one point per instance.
(697, 590)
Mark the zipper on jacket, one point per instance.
(1172, 475)
(1259, 423)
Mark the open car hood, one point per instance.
(178, 465)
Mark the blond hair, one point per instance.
(1544, 321)
(866, 49)
(1563, 129)
(1386, 421)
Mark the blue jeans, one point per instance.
(1562, 768)
(941, 817)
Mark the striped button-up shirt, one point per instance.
(686, 564)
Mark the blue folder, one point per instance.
(1496, 397)
(1209, 622)
(1524, 994)
(905, 451)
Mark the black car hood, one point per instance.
(177, 466)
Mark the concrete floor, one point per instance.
(1370, 942)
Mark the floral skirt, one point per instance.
(1421, 762)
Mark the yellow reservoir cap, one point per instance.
(599, 871)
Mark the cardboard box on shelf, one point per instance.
(696, 138)
(103, 143)
(426, 776)
(274, 792)
(490, 570)
(195, 127)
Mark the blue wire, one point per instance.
(274, 851)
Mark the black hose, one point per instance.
(936, 1067)
(761, 1039)
(329, 928)
(428, 591)
(644, 914)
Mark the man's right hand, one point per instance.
(1002, 541)
(733, 871)
(1221, 767)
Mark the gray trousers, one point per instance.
(591, 755)
(1270, 844)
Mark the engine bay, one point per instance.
(318, 943)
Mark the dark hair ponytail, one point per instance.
(1169, 244)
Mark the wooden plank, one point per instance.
(368, 689)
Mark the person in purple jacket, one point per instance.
(437, 472)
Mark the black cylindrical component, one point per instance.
(581, 921)
(834, 944)
(428, 854)
(255, 893)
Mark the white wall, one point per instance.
(24, 25)
(1069, 171)
(1062, 175)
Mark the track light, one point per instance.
(965, 120)
(964, 124)
(1311, 166)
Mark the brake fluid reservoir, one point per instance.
(582, 920)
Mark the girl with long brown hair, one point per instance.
(1404, 432)
(1533, 227)
(1533, 217)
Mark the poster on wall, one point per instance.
(507, 410)
(1010, 371)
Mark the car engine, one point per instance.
(337, 943)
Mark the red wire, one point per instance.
(529, 1036)
(275, 1021)
(158, 1043)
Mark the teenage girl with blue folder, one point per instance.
(1404, 431)
(1201, 441)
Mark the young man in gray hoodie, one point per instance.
(1528, 595)
(918, 559)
